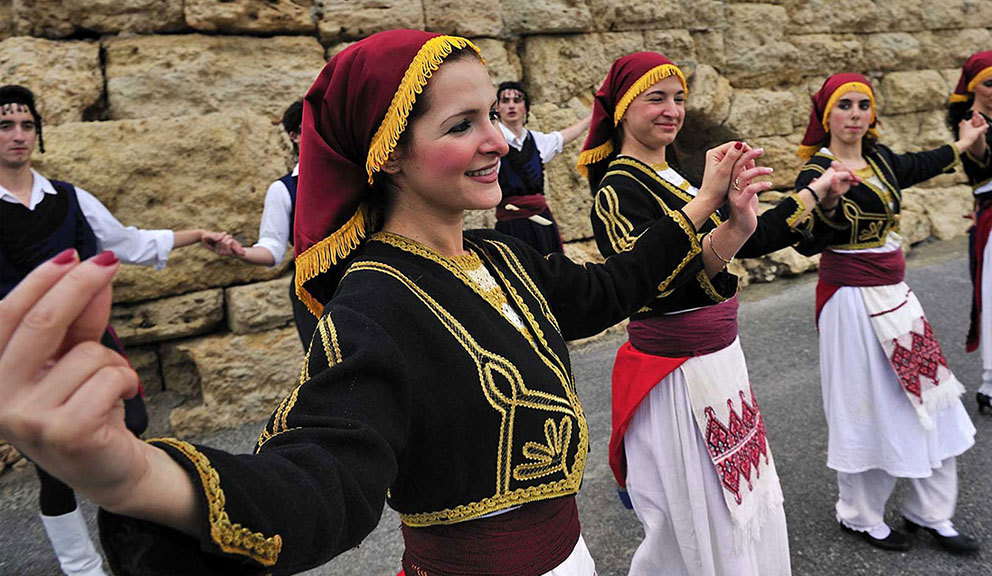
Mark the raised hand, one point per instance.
(61, 394)
(970, 133)
(836, 181)
(743, 195)
(60, 389)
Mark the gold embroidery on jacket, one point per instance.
(229, 537)
(505, 391)
(680, 219)
(619, 230)
(328, 335)
(550, 457)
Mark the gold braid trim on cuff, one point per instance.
(592, 156)
(424, 64)
(229, 537)
(650, 78)
(793, 220)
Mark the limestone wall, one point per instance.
(168, 111)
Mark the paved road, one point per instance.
(780, 343)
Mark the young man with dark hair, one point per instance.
(42, 218)
(276, 228)
(523, 211)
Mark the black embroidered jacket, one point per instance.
(632, 196)
(870, 210)
(423, 386)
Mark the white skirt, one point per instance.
(578, 563)
(679, 499)
(871, 423)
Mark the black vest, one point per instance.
(290, 181)
(30, 237)
(521, 172)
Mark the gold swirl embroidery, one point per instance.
(230, 537)
(549, 458)
(496, 373)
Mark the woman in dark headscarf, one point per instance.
(972, 98)
(892, 404)
(688, 437)
(438, 378)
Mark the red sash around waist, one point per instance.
(838, 269)
(528, 541)
(527, 206)
(657, 347)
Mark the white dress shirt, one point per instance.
(273, 232)
(548, 145)
(131, 245)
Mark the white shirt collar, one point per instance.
(511, 138)
(39, 187)
(296, 169)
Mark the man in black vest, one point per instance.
(41, 219)
(523, 211)
(276, 228)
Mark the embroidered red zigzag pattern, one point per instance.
(737, 447)
(922, 358)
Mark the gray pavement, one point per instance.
(780, 343)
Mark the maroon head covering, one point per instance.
(823, 102)
(629, 77)
(353, 116)
(976, 70)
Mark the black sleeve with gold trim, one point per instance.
(658, 256)
(912, 168)
(317, 483)
(823, 230)
(777, 229)
(631, 198)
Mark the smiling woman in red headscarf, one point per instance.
(973, 98)
(680, 384)
(438, 378)
(892, 404)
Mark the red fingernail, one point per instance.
(739, 145)
(105, 258)
(65, 256)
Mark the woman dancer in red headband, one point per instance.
(438, 377)
(688, 438)
(892, 404)
(973, 96)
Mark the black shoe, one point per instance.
(959, 544)
(895, 541)
(984, 401)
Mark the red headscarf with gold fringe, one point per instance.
(823, 102)
(353, 116)
(976, 70)
(629, 77)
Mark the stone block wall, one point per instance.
(168, 111)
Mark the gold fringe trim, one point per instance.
(650, 78)
(955, 98)
(229, 537)
(807, 152)
(592, 156)
(320, 257)
(424, 64)
(979, 78)
(844, 89)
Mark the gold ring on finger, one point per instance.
(737, 184)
